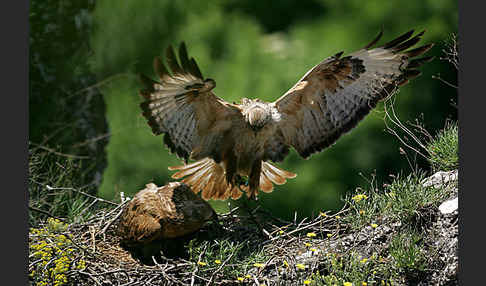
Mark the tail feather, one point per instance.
(272, 174)
(208, 177)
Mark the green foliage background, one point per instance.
(260, 49)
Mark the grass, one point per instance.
(443, 149)
(380, 237)
(54, 189)
(400, 200)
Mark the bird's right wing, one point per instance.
(339, 92)
(182, 106)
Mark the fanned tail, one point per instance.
(208, 177)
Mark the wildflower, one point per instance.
(329, 235)
(338, 217)
(81, 264)
(300, 266)
(364, 260)
(307, 244)
(240, 279)
(260, 265)
(374, 225)
(313, 249)
(361, 212)
(322, 214)
(364, 283)
(281, 232)
(307, 282)
(248, 276)
(217, 261)
(286, 263)
(201, 263)
(359, 197)
(347, 284)
(311, 234)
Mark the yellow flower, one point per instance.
(201, 263)
(322, 214)
(217, 261)
(364, 260)
(361, 212)
(240, 279)
(311, 234)
(286, 263)
(248, 276)
(338, 217)
(307, 244)
(347, 284)
(281, 232)
(307, 282)
(261, 265)
(329, 235)
(374, 225)
(359, 197)
(300, 266)
(364, 283)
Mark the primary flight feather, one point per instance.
(232, 141)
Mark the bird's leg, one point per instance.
(254, 179)
(253, 186)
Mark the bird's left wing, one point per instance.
(182, 106)
(337, 93)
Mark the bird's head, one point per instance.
(256, 113)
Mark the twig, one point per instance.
(46, 213)
(100, 83)
(220, 267)
(444, 81)
(111, 222)
(197, 265)
(83, 193)
(59, 153)
(90, 140)
(91, 276)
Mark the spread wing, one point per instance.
(182, 106)
(337, 93)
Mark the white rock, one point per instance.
(449, 206)
(440, 178)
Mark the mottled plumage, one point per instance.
(164, 212)
(229, 141)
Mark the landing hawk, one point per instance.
(233, 141)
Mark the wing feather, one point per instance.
(182, 106)
(336, 94)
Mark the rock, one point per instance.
(449, 206)
(440, 178)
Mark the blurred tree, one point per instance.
(61, 119)
(260, 49)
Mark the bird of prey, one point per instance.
(230, 142)
(161, 219)
(164, 212)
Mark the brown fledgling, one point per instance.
(232, 141)
(162, 213)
